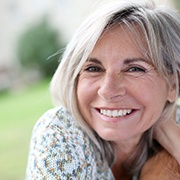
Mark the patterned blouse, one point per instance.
(59, 149)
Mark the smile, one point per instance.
(115, 113)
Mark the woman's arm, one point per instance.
(162, 166)
(168, 135)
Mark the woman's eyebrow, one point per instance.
(132, 60)
(94, 60)
(126, 61)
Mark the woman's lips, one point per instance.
(113, 114)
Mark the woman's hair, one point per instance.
(160, 29)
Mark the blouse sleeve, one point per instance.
(54, 152)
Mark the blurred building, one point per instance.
(18, 15)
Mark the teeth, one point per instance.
(115, 113)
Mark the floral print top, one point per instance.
(59, 149)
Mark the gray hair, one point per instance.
(160, 28)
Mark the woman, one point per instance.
(115, 90)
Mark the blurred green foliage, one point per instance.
(177, 2)
(36, 45)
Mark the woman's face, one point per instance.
(119, 93)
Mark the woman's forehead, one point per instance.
(132, 33)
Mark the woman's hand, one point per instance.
(168, 135)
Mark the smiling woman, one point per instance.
(115, 90)
(115, 84)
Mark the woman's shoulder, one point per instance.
(57, 123)
(60, 148)
(56, 119)
(161, 166)
(55, 116)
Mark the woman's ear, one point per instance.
(172, 94)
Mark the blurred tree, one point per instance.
(35, 47)
(177, 2)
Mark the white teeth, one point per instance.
(115, 113)
(108, 113)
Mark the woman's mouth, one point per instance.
(115, 113)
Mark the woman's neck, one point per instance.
(123, 151)
(118, 171)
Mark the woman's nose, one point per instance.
(112, 88)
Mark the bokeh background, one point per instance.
(33, 35)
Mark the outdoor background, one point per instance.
(32, 37)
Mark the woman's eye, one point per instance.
(93, 69)
(136, 69)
